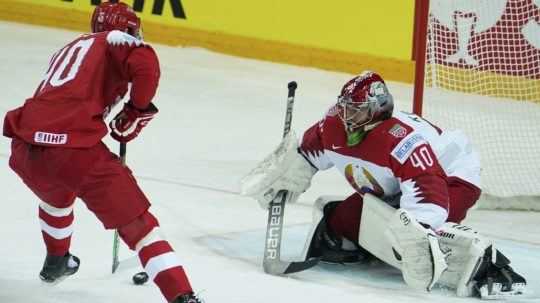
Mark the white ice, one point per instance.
(219, 115)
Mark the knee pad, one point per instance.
(133, 232)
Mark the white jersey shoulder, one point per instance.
(117, 37)
(452, 148)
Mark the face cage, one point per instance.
(346, 105)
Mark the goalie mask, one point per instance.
(363, 101)
(114, 15)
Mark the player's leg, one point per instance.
(463, 195)
(37, 168)
(332, 238)
(57, 228)
(111, 192)
(344, 220)
(156, 255)
(380, 231)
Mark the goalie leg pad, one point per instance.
(404, 244)
(467, 248)
(476, 268)
(422, 259)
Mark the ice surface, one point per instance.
(219, 116)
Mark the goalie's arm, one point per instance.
(312, 148)
(424, 190)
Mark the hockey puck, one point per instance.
(140, 278)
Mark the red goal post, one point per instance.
(478, 69)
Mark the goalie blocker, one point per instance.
(455, 256)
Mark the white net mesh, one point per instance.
(483, 76)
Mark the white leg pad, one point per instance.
(385, 231)
(467, 247)
(422, 259)
(375, 217)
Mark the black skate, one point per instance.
(495, 279)
(187, 298)
(57, 268)
(331, 249)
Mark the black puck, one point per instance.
(140, 278)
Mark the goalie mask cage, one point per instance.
(478, 70)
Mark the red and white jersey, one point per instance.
(404, 155)
(84, 80)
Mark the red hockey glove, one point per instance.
(129, 122)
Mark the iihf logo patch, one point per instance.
(398, 131)
(50, 138)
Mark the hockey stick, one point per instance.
(272, 264)
(116, 240)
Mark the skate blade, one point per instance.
(496, 292)
(52, 283)
(57, 280)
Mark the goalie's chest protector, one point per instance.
(378, 164)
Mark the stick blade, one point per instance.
(277, 267)
(115, 266)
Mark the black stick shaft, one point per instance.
(290, 103)
(116, 237)
(122, 153)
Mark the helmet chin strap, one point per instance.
(355, 136)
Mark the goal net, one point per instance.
(482, 75)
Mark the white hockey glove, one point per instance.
(283, 170)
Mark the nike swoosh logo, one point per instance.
(336, 146)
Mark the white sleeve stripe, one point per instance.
(161, 263)
(57, 233)
(56, 212)
(152, 237)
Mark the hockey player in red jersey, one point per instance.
(58, 153)
(413, 183)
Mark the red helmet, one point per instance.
(364, 100)
(112, 15)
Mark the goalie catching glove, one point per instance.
(283, 170)
(129, 122)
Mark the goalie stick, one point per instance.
(272, 264)
(116, 240)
